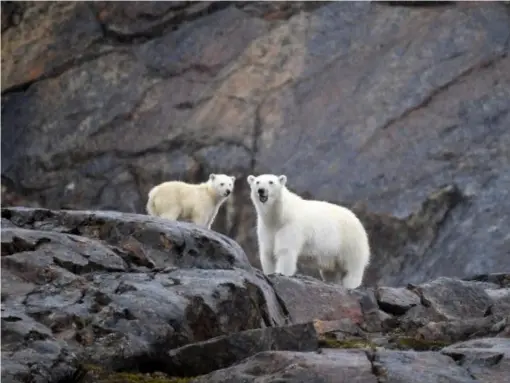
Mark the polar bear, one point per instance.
(196, 202)
(289, 226)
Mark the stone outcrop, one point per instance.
(94, 296)
(400, 112)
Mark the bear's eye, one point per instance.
(222, 184)
(270, 182)
(257, 182)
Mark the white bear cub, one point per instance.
(196, 202)
(289, 226)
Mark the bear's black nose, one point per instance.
(227, 192)
(261, 191)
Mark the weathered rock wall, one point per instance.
(384, 107)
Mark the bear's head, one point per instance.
(222, 184)
(266, 188)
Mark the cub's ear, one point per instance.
(233, 178)
(212, 176)
(282, 179)
(251, 179)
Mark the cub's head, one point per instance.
(266, 188)
(222, 184)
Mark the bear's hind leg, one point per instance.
(352, 279)
(328, 276)
(172, 214)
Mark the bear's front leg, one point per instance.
(201, 219)
(287, 247)
(266, 247)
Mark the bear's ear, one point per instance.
(233, 178)
(251, 179)
(212, 176)
(282, 179)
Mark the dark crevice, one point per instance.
(376, 368)
(159, 30)
(487, 63)
(459, 360)
(12, 14)
(279, 299)
(83, 269)
(76, 376)
(58, 71)
(110, 36)
(488, 361)
(278, 10)
(165, 73)
(440, 89)
(19, 245)
(145, 363)
(393, 309)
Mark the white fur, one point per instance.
(289, 226)
(198, 203)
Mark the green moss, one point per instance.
(97, 374)
(346, 343)
(92, 368)
(408, 343)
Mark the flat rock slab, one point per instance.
(501, 301)
(455, 299)
(309, 299)
(148, 241)
(487, 359)
(396, 300)
(330, 366)
(425, 366)
(221, 352)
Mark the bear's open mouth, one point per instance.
(263, 198)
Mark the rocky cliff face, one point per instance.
(104, 297)
(401, 112)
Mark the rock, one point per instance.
(83, 298)
(454, 299)
(308, 299)
(146, 242)
(330, 366)
(500, 279)
(501, 301)
(486, 359)
(396, 300)
(224, 351)
(70, 252)
(419, 316)
(49, 39)
(30, 352)
(412, 366)
(374, 319)
(460, 329)
(141, 93)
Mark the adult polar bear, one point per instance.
(196, 202)
(289, 226)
